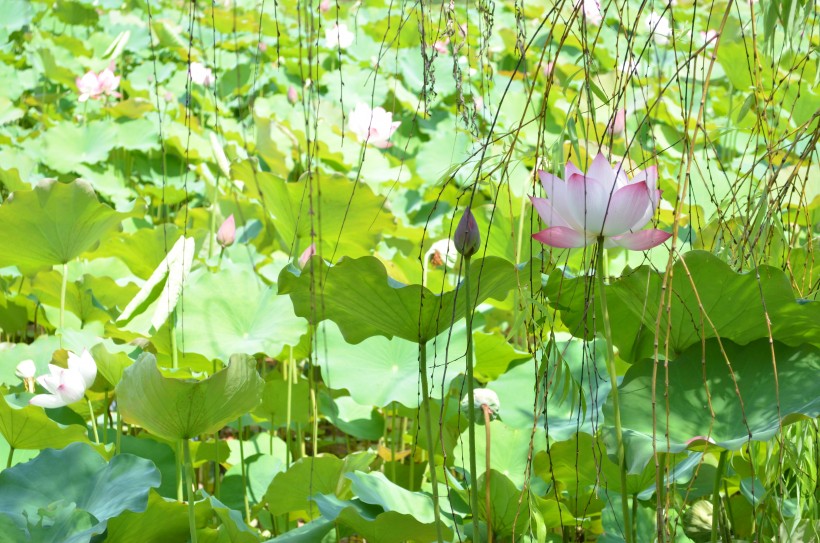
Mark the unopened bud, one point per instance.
(226, 234)
(324, 6)
(305, 257)
(26, 370)
(293, 96)
(484, 396)
(467, 238)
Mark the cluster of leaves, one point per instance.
(295, 381)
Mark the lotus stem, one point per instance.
(468, 310)
(11, 456)
(428, 431)
(106, 418)
(716, 516)
(487, 503)
(117, 446)
(289, 378)
(613, 378)
(63, 286)
(244, 475)
(189, 488)
(174, 354)
(93, 420)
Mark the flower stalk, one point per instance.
(613, 378)
(428, 434)
(471, 399)
(188, 473)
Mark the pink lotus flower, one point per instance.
(92, 85)
(618, 123)
(601, 203)
(373, 126)
(200, 74)
(547, 69)
(324, 5)
(659, 28)
(67, 386)
(441, 46)
(226, 234)
(293, 96)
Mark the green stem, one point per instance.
(105, 418)
(174, 354)
(244, 475)
(11, 455)
(428, 431)
(290, 378)
(63, 287)
(118, 447)
(468, 309)
(93, 420)
(178, 466)
(716, 496)
(190, 490)
(613, 378)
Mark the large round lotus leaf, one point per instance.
(68, 145)
(578, 389)
(27, 427)
(353, 218)
(52, 224)
(363, 301)
(753, 415)
(233, 311)
(181, 409)
(509, 450)
(634, 300)
(56, 483)
(384, 511)
(393, 363)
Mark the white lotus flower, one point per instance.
(374, 126)
(200, 74)
(66, 386)
(338, 36)
(442, 253)
(26, 370)
(485, 396)
(659, 28)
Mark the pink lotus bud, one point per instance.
(618, 123)
(305, 257)
(324, 6)
(548, 68)
(226, 234)
(262, 46)
(168, 96)
(467, 239)
(293, 96)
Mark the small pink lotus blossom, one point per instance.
(67, 385)
(262, 46)
(547, 69)
(467, 238)
(373, 126)
(338, 36)
(441, 46)
(305, 256)
(324, 6)
(92, 85)
(108, 82)
(478, 101)
(708, 38)
(168, 96)
(200, 74)
(603, 202)
(592, 11)
(226, 234)
(293, 96)
(617, 123)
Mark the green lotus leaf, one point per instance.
(181, 409)
(354, 219)
(363, 301)
(217, 326)
(68, 145)
(28, 427)
(696, 376)
(52, 224)
(58, 481)
(383, 511)
(292, 490)
(634, 300)
(393, 363)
